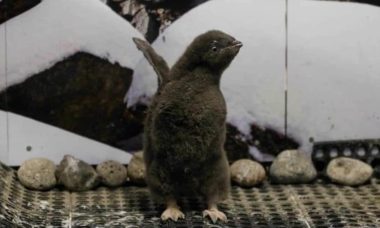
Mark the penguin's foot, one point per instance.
(172, 212)
(215, 215)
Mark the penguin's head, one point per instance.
(214, 49)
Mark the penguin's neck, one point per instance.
(203, 74)
(206, 75)
(200, 75)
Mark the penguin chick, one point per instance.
(185, 126)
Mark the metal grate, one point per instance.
(367, 150)
(20, 207)
(320, 204)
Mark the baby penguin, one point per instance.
(185, 125)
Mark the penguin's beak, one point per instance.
(237, 44)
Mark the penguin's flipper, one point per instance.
(158, 63)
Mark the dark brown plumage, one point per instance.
(185, 125)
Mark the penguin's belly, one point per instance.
(187, 180)
(182, 146)
(187, 137)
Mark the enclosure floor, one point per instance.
(311, 205)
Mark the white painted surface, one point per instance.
(3, 123)
(55, 29)
(53, 143)
(334, 71)
(3, 138)
(254, 83)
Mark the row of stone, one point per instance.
(289, 167)
(295, 167)
(77, 175)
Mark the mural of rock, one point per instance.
(83, 94)
(267, 141)
(372, 2)
(152, 17)
(72, 74)
(270, 141)
(12, 8)
(235, 146)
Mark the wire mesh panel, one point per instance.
(20, 207)
(320, 204)
(258, 207)
(329, 205)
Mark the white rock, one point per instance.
(76, 175)
(247, 173)
(37, 174)
(348, 171)
(292, 167)
(112, 173)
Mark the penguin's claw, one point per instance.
(172, 213)
(215, 215)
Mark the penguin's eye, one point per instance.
(214, 45)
